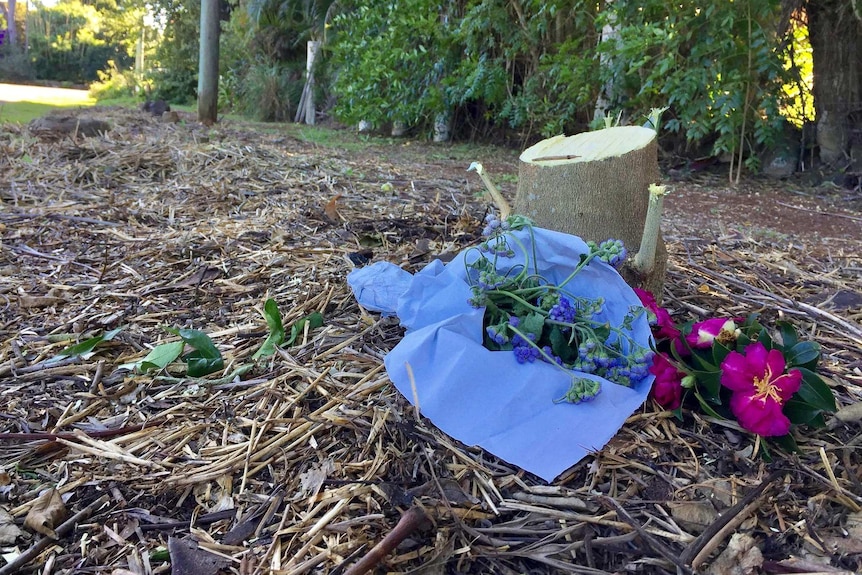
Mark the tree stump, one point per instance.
(596, 185)
(57, 125)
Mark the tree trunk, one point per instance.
(836, 41)
(308, 112)
(596, 185)
(606, 96)
(11, 24)
(208, 64)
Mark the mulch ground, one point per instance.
(304, 461)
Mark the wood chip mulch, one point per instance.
(303, 462)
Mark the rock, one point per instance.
(62, 124)
(156, 107)
(781, 160)
(171, 118)
(779, 165)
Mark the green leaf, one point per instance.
(560, 344)
(788, 334)
(709, 383)
(804, 354)
(533, 323)
(786, 443)
(719, 353)
(276, 330)
(85, 346)
(703, 360)
(705, 405)
(206, 358)
(799, 412)
(314, 320)
(815, 392)
(200, 366)
(602, 332)
(159, 357)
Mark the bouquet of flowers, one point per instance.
(541, 321)
(734, 368)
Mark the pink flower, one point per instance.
(760, 388)
(663, 328)
(704, 333)
(667, 389)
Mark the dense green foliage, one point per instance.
(73, 40)
(729, 72)
(379, 84)
(536, 66)
(175, 79)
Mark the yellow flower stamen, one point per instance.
(766, 387)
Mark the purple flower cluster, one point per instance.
(582, 389)
(494, 226)
(526, 353)
(563, 311)
(623, 369)
(611, 251)
(495, 335)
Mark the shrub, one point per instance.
(270, 91)
(117, 84)
(14, 65)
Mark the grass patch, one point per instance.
(20, 104)
(23, 112)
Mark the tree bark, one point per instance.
(208, 64)
(596, 185)
(836, 41)
(11, 24)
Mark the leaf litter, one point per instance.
(302, 458)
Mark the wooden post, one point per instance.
(208, 63)
(596, 185)
(313, 47)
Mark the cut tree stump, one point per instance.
(596, 185)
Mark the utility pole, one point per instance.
(208, 63)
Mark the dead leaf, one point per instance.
(850, 413)
(852, 543)
(9, 532)
(741, 557)
(29, 301)
(693, 515)
(188, 559)
(47, 512)
(312, 480)
(330, 210)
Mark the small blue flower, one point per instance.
(563, 311)
(526, 353)
(581, 389)
(496, 336)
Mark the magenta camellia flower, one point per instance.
(667, 389)
(663, 328)
(704, 333)
(760, 388)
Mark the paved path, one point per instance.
(56, 96)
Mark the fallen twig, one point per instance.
(412, 520)
(647, 538)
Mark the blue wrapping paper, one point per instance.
(487, 398)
